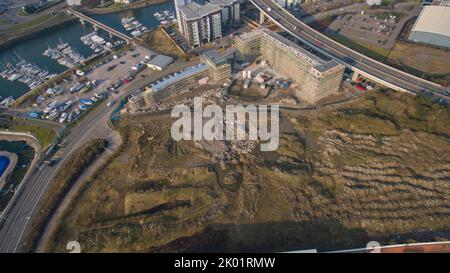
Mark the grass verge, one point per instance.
(65, 177)
(44, 135)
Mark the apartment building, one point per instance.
(248, 45)
(203, 23)
(200, 24)
(317, 78)
(219, 68)
(230, 10)
(136, 103)
(177, 82)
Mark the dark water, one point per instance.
(4, 163)
(144, 15)
(25, 154)
(32, 50)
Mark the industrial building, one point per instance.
(160, 62)
(201, 24)
(317, 78)
(433, 26)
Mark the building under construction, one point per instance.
(317, 78)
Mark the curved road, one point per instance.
(22, 207)
(392, 77)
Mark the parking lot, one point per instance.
(371, 29)
(109, 74)
(78, 93)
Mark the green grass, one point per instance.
(34, 22)
(44, 135)
(48, 18)
(4, 21)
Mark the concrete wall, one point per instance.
(430, 38)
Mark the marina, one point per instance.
(98, 44)
(165, 17)
(24, 72)
(65, 55)
(31, 50)
(132, 25)
(145, 16)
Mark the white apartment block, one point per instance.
(201, 24)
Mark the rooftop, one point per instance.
(223, 2)
(317, 62)
(214, 57)
(161, 61)
(194, 11)
(173, 78)
(247, 35)
(434, 19)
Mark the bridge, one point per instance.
(98, 25)
(357, 62)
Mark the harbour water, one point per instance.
(4, 163)
(144, 16)
(31, 51)
(25, 155)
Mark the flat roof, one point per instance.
(300, 51)
(223, 2)
(434, 19)
(186, 73)
(195, 11)
(161, 61)
(214, 57)
(247, 35)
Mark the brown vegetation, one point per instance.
(377, 168)
(62, 182)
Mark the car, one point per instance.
(349, 60)
(111, 103)
(50, 162)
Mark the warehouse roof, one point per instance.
(434, 19)
(160, 61)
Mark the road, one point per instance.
(356, 7)
(22, 208)
(98, 24)
(368, 67)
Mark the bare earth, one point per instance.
(377, 168)
(423, 58)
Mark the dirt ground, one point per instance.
(423, 58)
(375, 168)
(159, 42)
